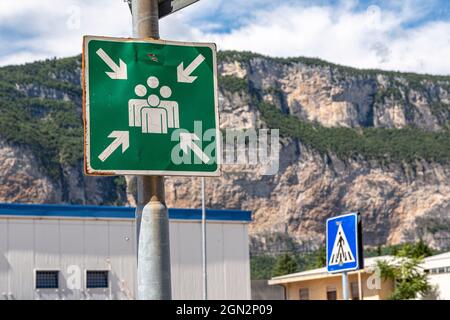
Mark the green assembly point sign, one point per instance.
(150, 107)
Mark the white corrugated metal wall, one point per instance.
(227, 260)
(73, 246)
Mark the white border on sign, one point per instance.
(357, 242)
(85, 84)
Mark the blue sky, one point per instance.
(406, 35)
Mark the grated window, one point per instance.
(304, 294)
(46, 279)
(96, 279)
(354, 290)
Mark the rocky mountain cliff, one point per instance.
(367, 140)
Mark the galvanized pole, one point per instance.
(345, 285)
(204, 270)
(360, 294)
(153, 276)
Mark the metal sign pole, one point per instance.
(152, 221)
(345, 285)
(204, 270)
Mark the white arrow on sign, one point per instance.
(184, 75)
(122, 138)
(119, 72)
(187, 141)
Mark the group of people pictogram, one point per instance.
(153, 114)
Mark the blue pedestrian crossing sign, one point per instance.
(344, 243)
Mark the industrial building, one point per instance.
(89, 252)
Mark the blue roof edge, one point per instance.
(105, 212)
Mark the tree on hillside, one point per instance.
(285, 264)
(320, 260)
(417, 250)
(261, 267)
(412, 250)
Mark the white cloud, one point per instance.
(49, 28)
(375, 38)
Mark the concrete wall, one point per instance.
(73, 246)
(318, 288)
(262, 291)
